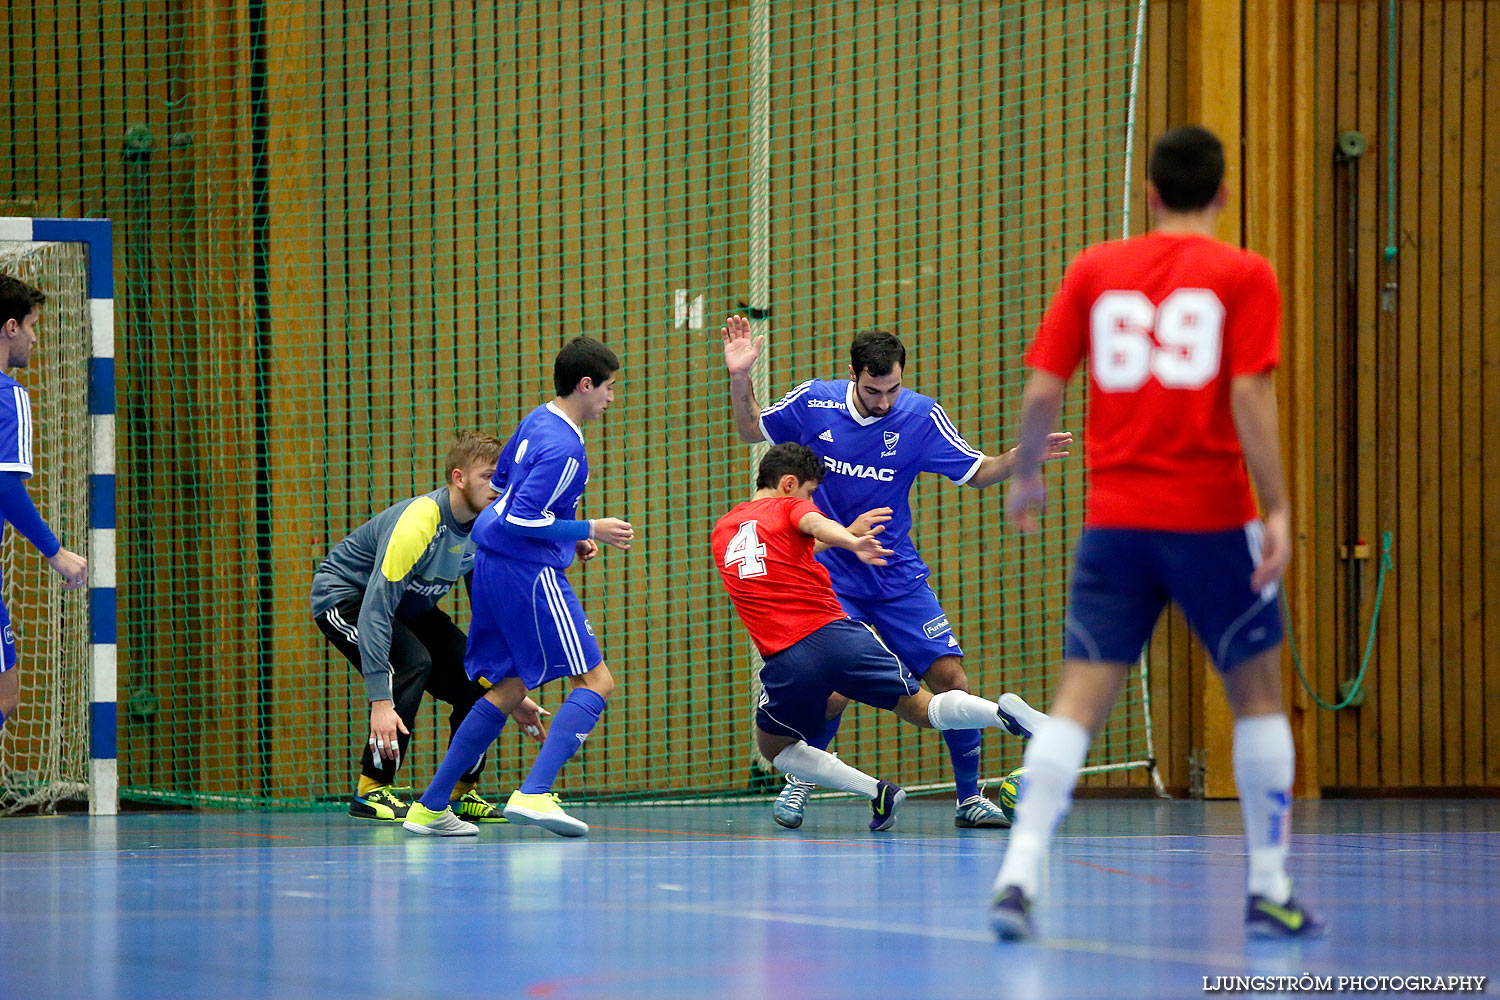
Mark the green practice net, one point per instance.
(346, 230)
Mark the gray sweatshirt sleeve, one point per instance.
(396, 559)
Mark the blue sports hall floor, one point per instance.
(1143, 899)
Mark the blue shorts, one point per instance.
(526, 622)
(843, 656)
(1124, 577)
(913, 625)
(8, 661)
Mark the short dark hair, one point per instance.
(876, 352)
(17, 299)
(580, 358)
(1187, 167)
(788, 459)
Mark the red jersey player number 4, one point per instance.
(782, 593)
(1161, 318)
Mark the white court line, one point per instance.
(1193, 957)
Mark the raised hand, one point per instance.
(740, 349)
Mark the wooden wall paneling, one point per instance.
(1429, 536)
(1365, 107)
(334, 439)
(221, 153)
(1490, 389)
(1461, 703)
(1318, 484)
(1215, 56)
(293, 415)
(1407, 580)
(65, 56)
(1452, 670)
(1298, 378)
(696, 592)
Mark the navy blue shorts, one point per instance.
(843, 656)
(914, 625)
(526, 621)
(1124, 577)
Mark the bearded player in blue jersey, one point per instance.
(874, 435)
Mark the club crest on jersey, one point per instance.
(891, 437)
(936, 627)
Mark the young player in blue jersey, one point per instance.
(527, 626)
(875, 436)
(20, 307)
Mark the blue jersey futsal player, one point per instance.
(527, 626)
(874, 436)
(20, 307)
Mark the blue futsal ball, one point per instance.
(1010, 790)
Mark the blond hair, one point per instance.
(469, 447)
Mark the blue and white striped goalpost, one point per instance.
(104, 777)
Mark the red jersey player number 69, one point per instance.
(1189, 326)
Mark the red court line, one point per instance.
(1120, 871)
(269, 836)
(731, 836)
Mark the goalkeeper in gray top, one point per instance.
(375, 598)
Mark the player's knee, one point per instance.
(836, 705)
(9, 702)
(598, 680)
(771, 745)
(946, 674)
(913, 708)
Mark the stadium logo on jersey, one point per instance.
(936, 627)
(859, 471)
(826, 436)
(825, 404)
(891, 437)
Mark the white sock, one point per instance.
(822, 768)
(1264, 756)
(961, 710)
(1052, 760)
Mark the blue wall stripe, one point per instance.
(101, 385)
(102, 730)
(101, 501)
(94, 232)
(102, 615)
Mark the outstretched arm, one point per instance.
(832, 534)
(871, 522)
(1040, 407)
(998, 468)
(740, 352)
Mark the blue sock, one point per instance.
(828, 733)
(963, 747)
(480, 728)
(574, 721)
